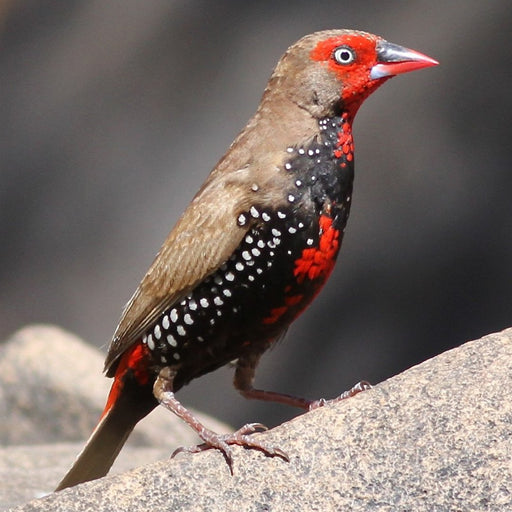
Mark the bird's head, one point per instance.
(335, 70)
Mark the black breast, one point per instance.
(254, 295)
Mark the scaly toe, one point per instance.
(248, 442)
(358, 388)
(241, 437)
(250, 428)
(218, 444)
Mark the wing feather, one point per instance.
(205, 237)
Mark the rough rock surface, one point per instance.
(437, 437)
(50, 393)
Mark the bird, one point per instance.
(251, 251)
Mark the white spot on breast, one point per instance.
(181, 330)
(289, 149)
(287, 166)
(239, 266)
(291, 198)
(254, 187)
(254, 212)
(242, 219)
(172, 340)
(151, 343)
(176, 356)
(255, 251)
(301, 151)
(292, 230)
(246, 255)
(204, 302)
(200, 338)
(188, 319)
(230, 276)
(265, 216)
(218, 301)
(165, 322)
(300, 225)
(309, 241)
(226, 292)
(174, 315)
(157, 332)
(276, 232)
(249, 239)
(192, 305)
(250, 277)
(298, 183)
(281, 215)
(261, 244)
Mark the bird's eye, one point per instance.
(344, 55)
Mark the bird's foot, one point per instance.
(360, 386)
(241, 437)
(164, 394)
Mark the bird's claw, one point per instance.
(224, 442)
(357, 388)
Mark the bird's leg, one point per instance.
(163, 391)
(244, 378)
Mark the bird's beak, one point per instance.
(393, 59)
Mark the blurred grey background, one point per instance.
(113, 113)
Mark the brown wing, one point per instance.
(204, 237)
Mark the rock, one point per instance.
(436, 437)
(31, 471)
(52, 391)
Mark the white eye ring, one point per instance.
(344, 55)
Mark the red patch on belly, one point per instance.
(318, 262)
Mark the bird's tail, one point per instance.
(128, 402)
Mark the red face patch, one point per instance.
(353, 73)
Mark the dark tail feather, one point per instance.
(102, 448)
(109, 436)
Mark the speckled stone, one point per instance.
(437, 437)
(52, 391)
